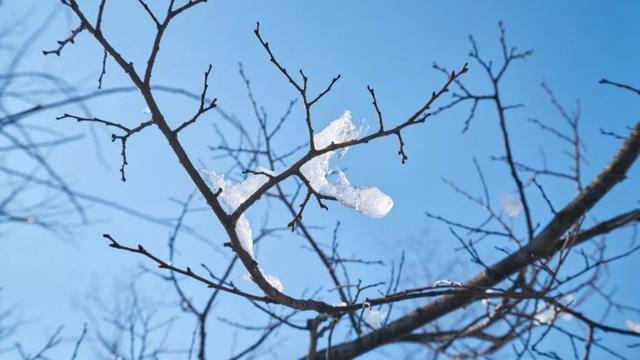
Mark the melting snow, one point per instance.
(633, 326)
(367, 200)
(234, 195)
(374, 318)
(486, 302)
(273, 280)
(447, 283)
(243, 230)
(547, 313)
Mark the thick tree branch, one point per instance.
(543, 245)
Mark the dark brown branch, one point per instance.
(123, 138)
(186, 272)
(544, 196)
(302, 89)
(229, 221)
(204, 107)
(374, 101)
(150, 13)
(62, 43)
(103, 71)
(620, 85)
(417, 118)
(542, 246)
(100, 14)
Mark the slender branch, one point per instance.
(620, 85)
(62, 43)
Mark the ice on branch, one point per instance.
(511, 205)
(273, 280)
(245, 235)
(235, 194)
(633, 326)
(486, 302)
(367, 200)
(447, 283)
(374, 318)
(548, 313)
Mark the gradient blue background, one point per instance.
(389, 45)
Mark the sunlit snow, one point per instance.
(273, 280)
(447, 283)
(367, 200)
(633, 326)
(234, 195)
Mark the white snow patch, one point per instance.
(367, 200)
(374, 318)
(233, 195)
(548, 313)
(447, 283)
(273, 280)
(633, 326)
(486, 302)
(511, 205)
(245, 235)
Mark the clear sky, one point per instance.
(389, 45)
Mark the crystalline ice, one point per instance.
(338, 131)
(234, 195)
(367, 200)
(243, 230)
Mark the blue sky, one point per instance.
(388, 45)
